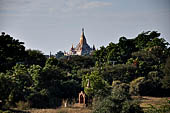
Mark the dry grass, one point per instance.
(145, 103)
(61, 110)
(154, 101)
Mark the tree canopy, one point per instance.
(136, 66)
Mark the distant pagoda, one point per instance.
(82, 48)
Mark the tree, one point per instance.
(142, 39)
(92, 83)
(35, 72)
(35, 57)
(72, 64)
(143, 87)
(5, 87)
(127, 46)
(113, 53)
(11, 52)
(100, 55)
(70, 89)
(59, 54)
(122, 72)
(118, 102)
(146, 62)
(52, 61)
(119, 85)
(166, 79)
(119, 53)
(21, 82)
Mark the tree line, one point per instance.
(138, 66)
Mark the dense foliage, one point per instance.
(138, 66)
(118, 102)
(11, 52)
(146, 56)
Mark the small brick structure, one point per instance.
(82, 98)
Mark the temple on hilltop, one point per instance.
(82, 48)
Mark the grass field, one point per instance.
(145, 102)
(154, 101)
(61, 110)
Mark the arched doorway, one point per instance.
(81, 98)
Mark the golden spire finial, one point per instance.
(82, 33)
(82, 38)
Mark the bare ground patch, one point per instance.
(61, 110)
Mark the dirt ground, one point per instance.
(145, 102)
(61, 110)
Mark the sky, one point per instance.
(54, 25)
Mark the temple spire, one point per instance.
(81, 49)
(82, 38)
(82, 33)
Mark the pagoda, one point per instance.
(82, 47)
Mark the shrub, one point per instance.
(142, 87)
(166, 79)
(135, 84)
(118, 102)
(21, 105)
(115, 83)
(6, 111)
(119, 85)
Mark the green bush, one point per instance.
(142, 86)
(135, 84)
(118, 102)
(119, 85)
(21, 105)
(6, 111)
(116, 82)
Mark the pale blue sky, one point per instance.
(53, 25)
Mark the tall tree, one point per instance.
(59, 54)
(12, 51)
(35, 57)
(166, 79)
